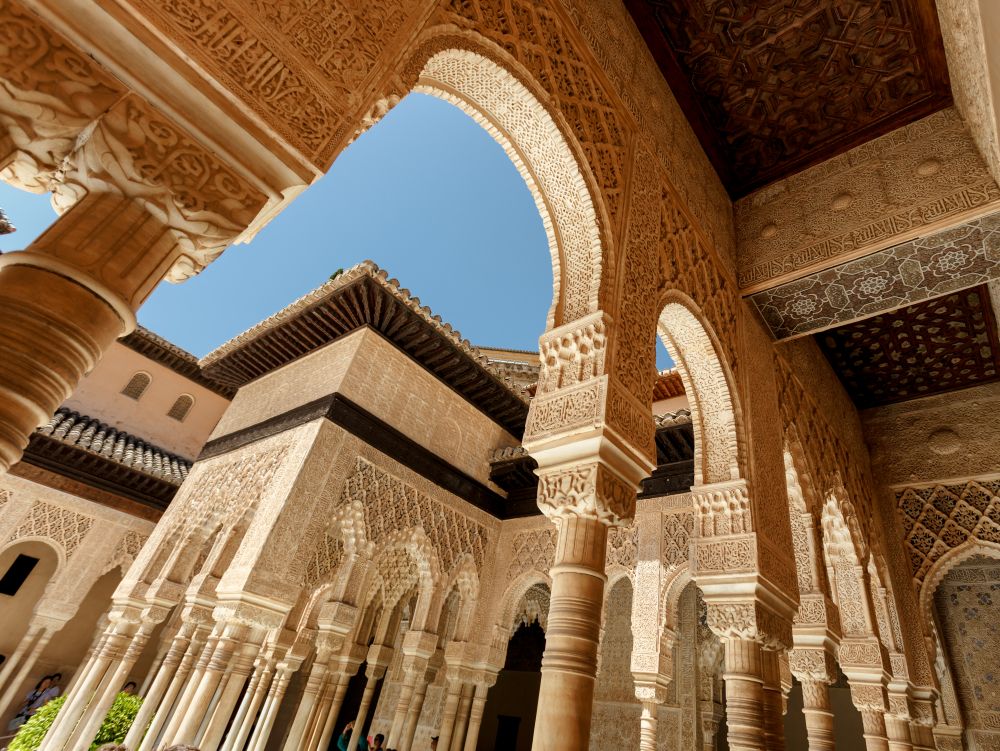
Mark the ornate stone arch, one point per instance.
(49, 542)
(473, 75)
(715, 412)
(957, 555)
(464, 582)
(846, 556)
(514, 596)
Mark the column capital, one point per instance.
(750, 620)
(813, 664)
(420, 644)
(868, 697)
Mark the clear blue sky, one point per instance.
(426, 194)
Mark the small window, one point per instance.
(16, 575)
(137, 386)
(181, 407)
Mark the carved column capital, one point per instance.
(749, 620)
(723, 509)
(591, 491)
(812, 664)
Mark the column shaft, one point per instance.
(307, 706)
(451, 699)
(274, 698)
(873, 721)
(462, 718)
(818, 715)
(161, 682)
(774, 724)
(413, 715)
(177, 684)
(476, 717)
(569, 664)
(366, 699)
(647, 727)
(246, 715)
(331, 713)
(744, 695)
(12, 696)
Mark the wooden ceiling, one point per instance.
(774, 86)
(935, 346)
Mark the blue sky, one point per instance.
(426, 194)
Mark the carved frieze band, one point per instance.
(944, 262)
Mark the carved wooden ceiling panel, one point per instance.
(774, 86)
(935, 346)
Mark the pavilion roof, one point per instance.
(365, 296)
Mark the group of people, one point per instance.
(45, 690)
(370, 744)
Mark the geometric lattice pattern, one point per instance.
(929, 348)
(776, 85)
(65, 527)
(391, 505)
(968, 605)
(921, 269)
(938, 519)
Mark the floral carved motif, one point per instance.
(62, 525)
(391, 505)
(938, 519)
(591, 491)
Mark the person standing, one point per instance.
(345, 739)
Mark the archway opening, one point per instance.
(509, 715)
(16, 609)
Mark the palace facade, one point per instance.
(349, 513)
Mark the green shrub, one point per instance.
(113, 729)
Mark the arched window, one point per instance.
(181, 407)
(137, 386)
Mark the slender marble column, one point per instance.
(372, 675)
(452, 696)
(232, 636)
(476, 716)
(869, 699)
(232, 688)
(265, 724)
(65, 299)
(413, 713)
(462, 717)
(744, 694)
(164, 676)
(253, 697)
(647, 727)
(115, 678)
(23, 646)
(818, 715)
(569, 664)
(190, 688)
(178, 682)
(27, 659)
(897, 723)
(307, 706)
(414, 667)
(922, 724)
(332, 711)
(774, 725)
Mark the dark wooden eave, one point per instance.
(360, 302)
(159, 350)
(98, 471)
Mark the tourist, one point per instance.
(130, 688)
(180, 747)
(38, 697)
(378, 741)
(434, 743)
(345, 739)
(112, 747)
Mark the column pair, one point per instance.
(815, 670)
(22, 661)
(417, 648)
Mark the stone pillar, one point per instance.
(110, 687)
(241, 664)
(417, 648)
(744, 694)
(161, 682)
(774, 725)
(476, 713)
(818, 714)
(897, 723)
(253, 697)
(462, 717)
(306, 710)
(24, 658)
(66, 298)
(452, 695)
(923, 720)
(869, 699)
(569, 664)
(117, 637)
(373, 674)
(262, 732)
(647, 726)
(330, 709)
(231, 638)
(414, 710)
(177, 684)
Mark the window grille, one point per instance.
(137, 386)
(181, 407)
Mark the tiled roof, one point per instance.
(668, 384)
(85, 432)
(673, 419)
